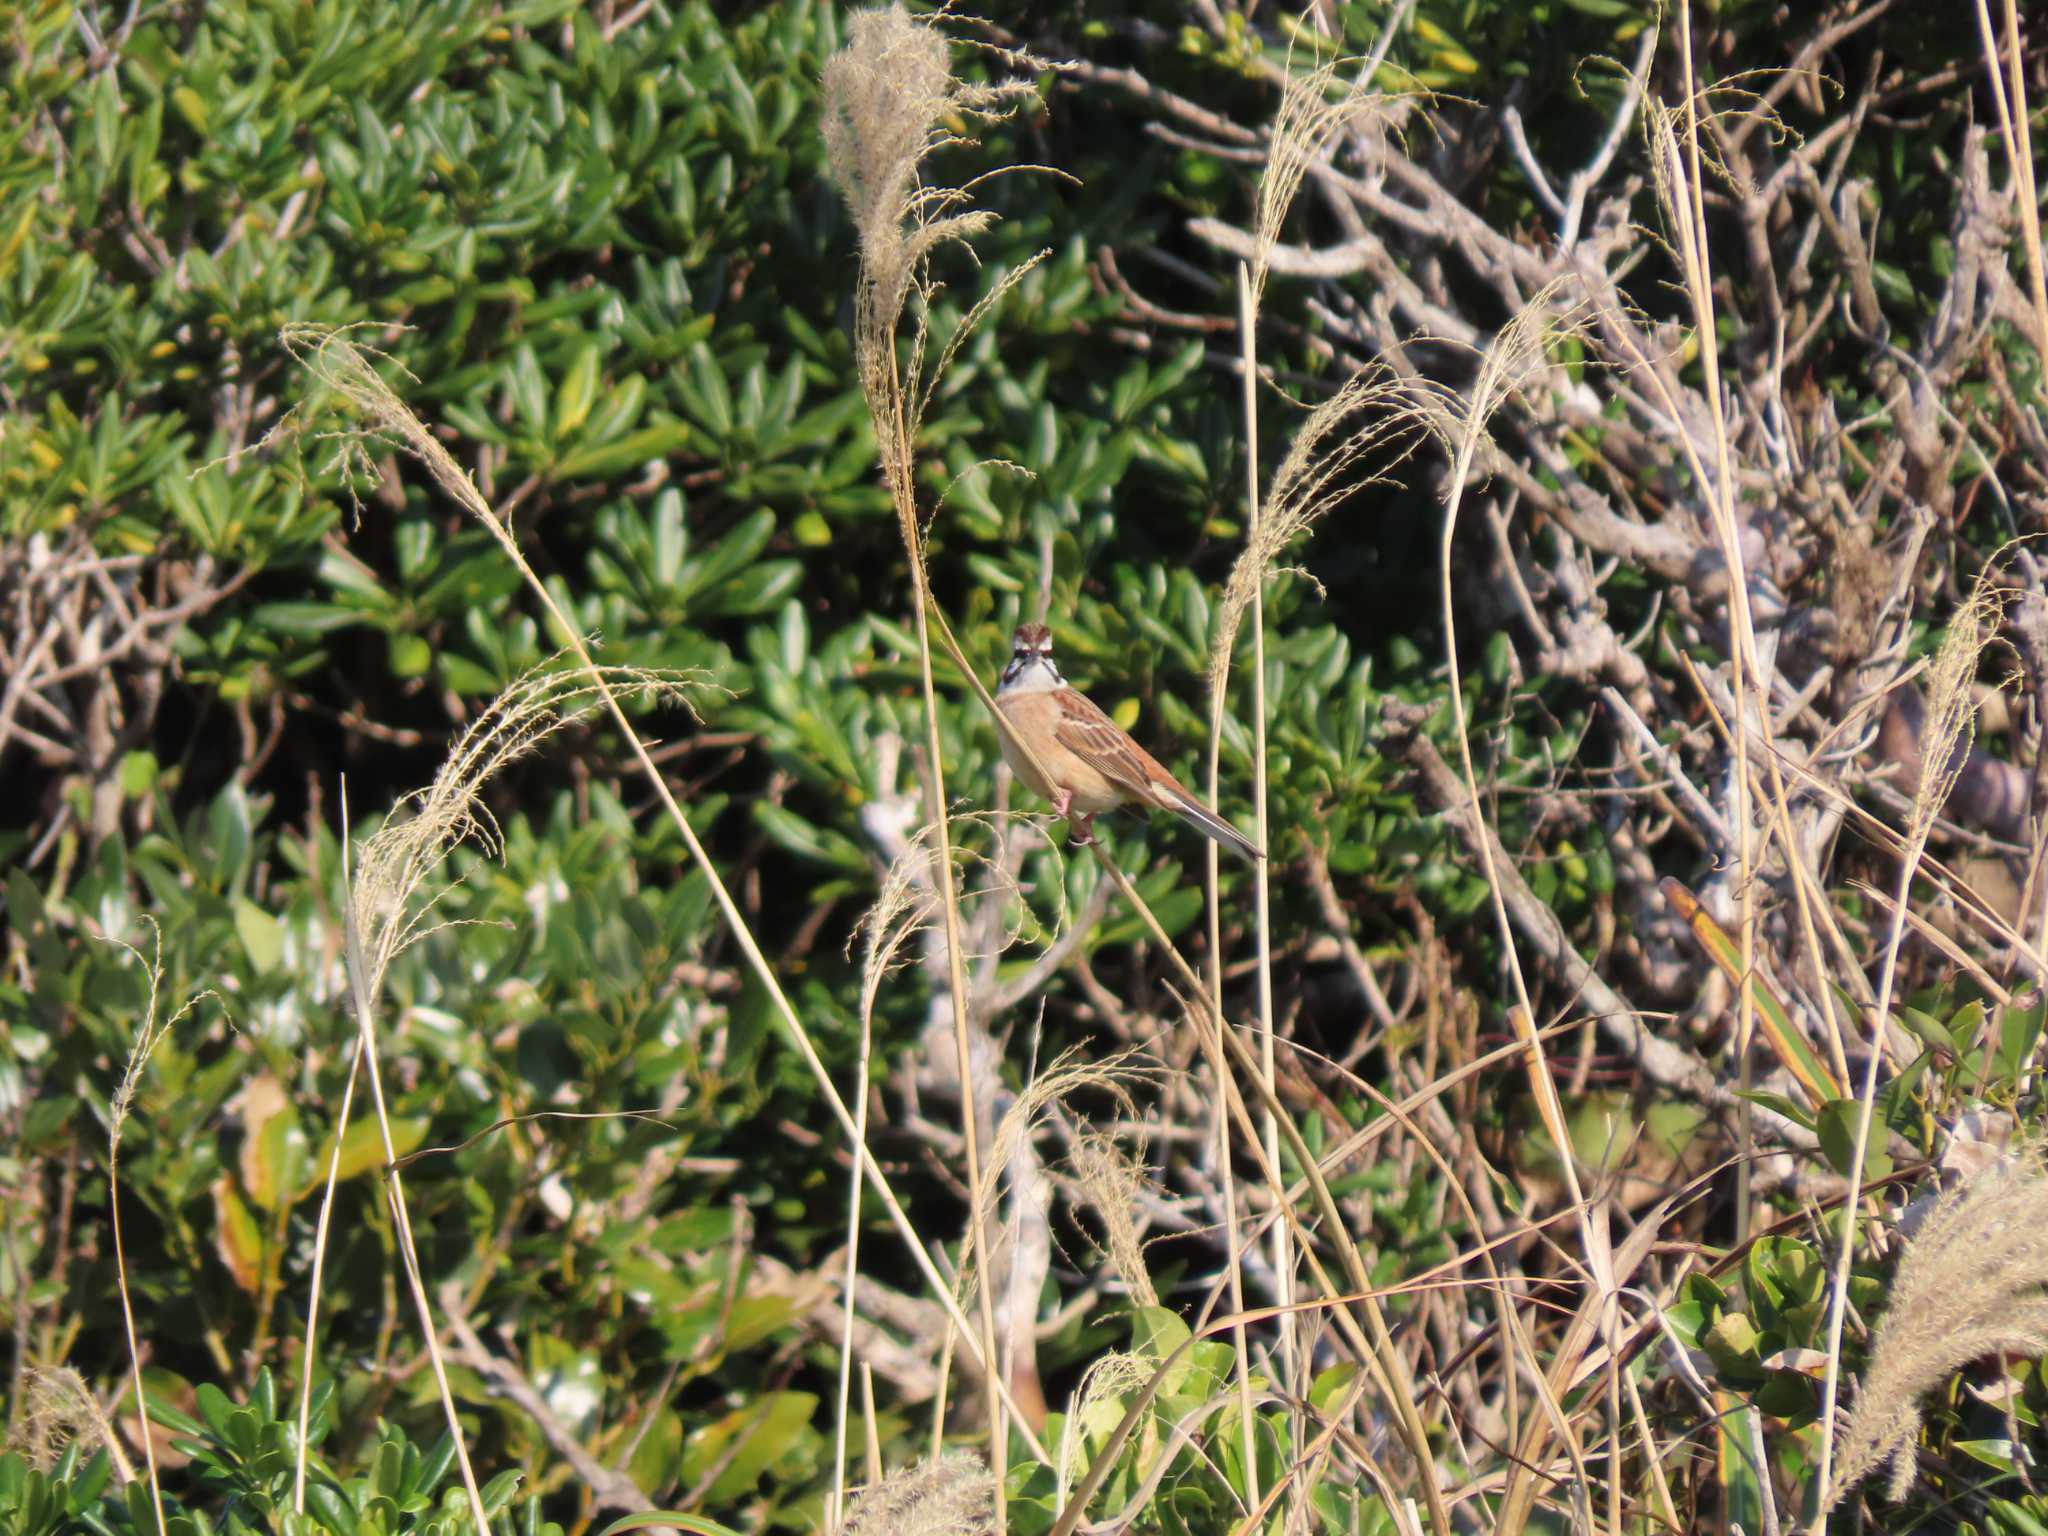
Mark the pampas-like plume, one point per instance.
(888, 95)
(1307, 122)
(947, 1497)
(395, 862)
(1950, 726)
(1387, 416)
(1068, 1075)
(1111, 1379)
(1970, 1284)
(908, 901)
(1110, 1182)
(57, 1409)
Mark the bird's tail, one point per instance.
(1210, 825)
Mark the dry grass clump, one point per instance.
(1971, 1284)
(951, 1496)
(1068, 1075)
(58, 1408)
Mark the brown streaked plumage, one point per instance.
(1091, 763)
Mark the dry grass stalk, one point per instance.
(2009, 98)
(888, 95)
(381, 921)
(902, 909)
(949, 1496)
(887, 925)
(147, 1039)
(1515, 361)
(1970, 1285)
(1947, 733)
(1304, 130)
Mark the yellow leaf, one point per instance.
(191, 106)
(273, 1146)
(363, 1149)
(235, 1237)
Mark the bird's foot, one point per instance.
(1062, 800)
(1083, 833)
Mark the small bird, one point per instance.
(1091, 763)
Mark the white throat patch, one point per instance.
(1031, 674)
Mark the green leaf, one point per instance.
(411, 656)
(1928, 1028)
(731, 554)
(1732, 1344)
(1330, 1386)
(1780, 1032)
(2009, 1515)
(806, 839)
(602, 460)
(307, 620)
(2019, 1030)
(577, 392)
(261, 934)
(707, 391)
(1795, 1112)
(138, 774)
(1736, 1430)
(661, 1520)
(746, 1441)
(1836, 1125)
(529, 390)
(236, 1240)
(754, 591)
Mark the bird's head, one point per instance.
(1031, 667)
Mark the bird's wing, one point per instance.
(1084, 730)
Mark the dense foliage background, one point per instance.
(594, 247)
